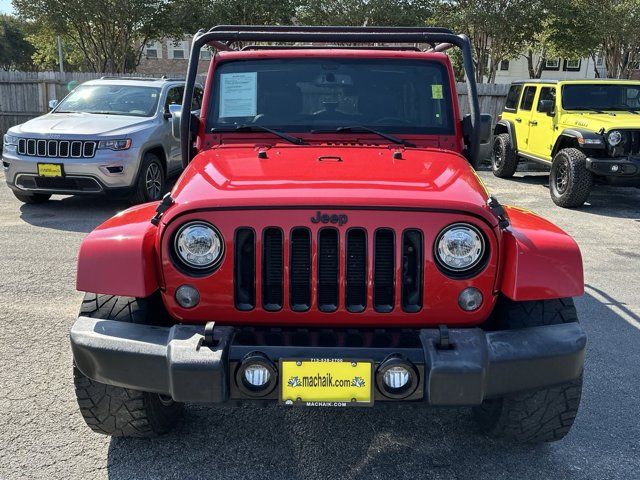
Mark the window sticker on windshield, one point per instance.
(238, 94)
(436, 92)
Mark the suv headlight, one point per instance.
(198, 245)
(459, 248)
(614, 138)
(9, 143)
(115, 144)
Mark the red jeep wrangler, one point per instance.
(329, 244)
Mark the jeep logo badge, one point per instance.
(339, 218)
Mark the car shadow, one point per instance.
(604, 200)
(405, 441)
(76, 213)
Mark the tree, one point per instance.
(365, 12)
(606, 28)
(15, 50)
(111, 34)
(499, 29)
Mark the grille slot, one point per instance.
(300, 265)
(328, 269)
(412, 270)
(356, 270)
(245, 269)
(384, 270)
(272, 269)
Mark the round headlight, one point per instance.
(199, 245)
(460, 247)
(614, 138)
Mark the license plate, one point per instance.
(50, 169)
(326, 382)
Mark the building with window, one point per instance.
(553, 69)
(170, 57)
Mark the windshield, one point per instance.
(601, 97)
(302, 95)
(112, 100)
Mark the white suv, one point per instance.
(106, 136)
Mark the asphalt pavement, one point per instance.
(43, 436)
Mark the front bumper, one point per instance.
(81, 175)
(616, 171)
(174, 361)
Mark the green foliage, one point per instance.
(15, 50)
(109, 33)
(365, 12)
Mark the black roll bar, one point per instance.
(223, 37)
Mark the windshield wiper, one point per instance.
(260, 128)
(363, 129)
(587, 109)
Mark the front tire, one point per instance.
(504, 161)
(117, 411)
(151, 180)
(543, 415)
(570, 182)
(33, 199)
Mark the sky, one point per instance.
(5, 6)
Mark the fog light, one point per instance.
(187, 296)
(396, 377)
(615, 168)
(470, 299)
(257, 375)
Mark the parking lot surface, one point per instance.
(43, 436)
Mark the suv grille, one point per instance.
(37, 147)
(329, 257)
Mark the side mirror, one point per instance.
(53, 104)
(485, 128)
(175, 112)
(547, 106)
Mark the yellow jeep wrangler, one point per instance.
(586, 131)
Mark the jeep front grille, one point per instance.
(37, 147)
(359, 283)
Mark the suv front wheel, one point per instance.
(570, 182)
(151, 180)
(504, 160)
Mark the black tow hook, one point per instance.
(208, 340)
(444, 343)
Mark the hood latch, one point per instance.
(166, 202)
(499, 211)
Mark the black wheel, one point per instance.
(544, 415)
(570, 182)
(504, 160)
(116, 411)
(151, 180)
(32, 199)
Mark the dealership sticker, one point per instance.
(436, 92)
(238, 94)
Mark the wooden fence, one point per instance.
(25, 95)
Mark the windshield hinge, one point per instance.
(164, 205)
(499, 211)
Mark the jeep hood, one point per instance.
(608, 121)
(79, 124)
(232, 176)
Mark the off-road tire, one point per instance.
(544, 415)
(150, 167)
(32, 199)
(116, 411)
(570, 182)
(504, 160)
